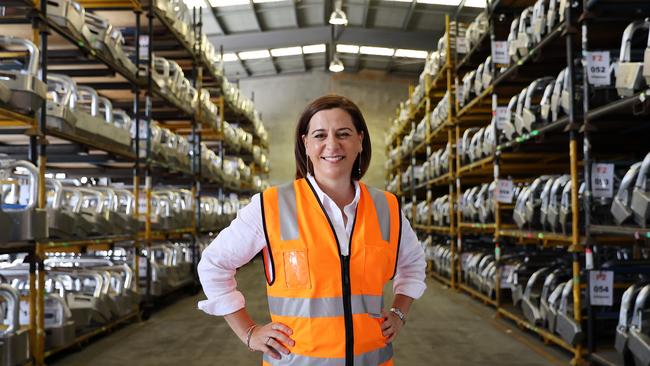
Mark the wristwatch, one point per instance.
(399, 314)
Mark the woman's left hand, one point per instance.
(391, 326)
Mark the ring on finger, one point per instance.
(267, 340)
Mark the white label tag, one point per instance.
(506, 272)
(598, 68)
(502, 117)
(602, 180)
(143, 130)
(505, 191)
(500, 53)
(459, 92)
(144, 48)
(589, 259)
(462, 45)
(601, 288)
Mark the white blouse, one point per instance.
(237, 244)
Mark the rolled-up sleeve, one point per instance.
(411, 265)
(235, 246)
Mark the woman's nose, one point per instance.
(331, 141)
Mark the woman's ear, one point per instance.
(361, 136)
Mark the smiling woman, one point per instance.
(339, 119)
(330, 244)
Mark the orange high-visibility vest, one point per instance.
(331, 302)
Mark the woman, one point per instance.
(329, 244)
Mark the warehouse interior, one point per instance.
(513, 133)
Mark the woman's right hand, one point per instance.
(272, 339)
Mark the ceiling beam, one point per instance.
(294, 11)
(209, 23)
(243, 66)
(304, 62)
(275, 66)
(389, 66)
(400, 74)
(313, 35)
(409, 15)
(327, 11)
(357, 63)
(364, 18)
(255, 16)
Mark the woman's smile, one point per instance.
(333, 158)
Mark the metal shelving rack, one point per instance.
(601, 19)
(435, 87)
(156, 107)
(551, 149)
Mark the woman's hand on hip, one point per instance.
(272, 339)
(391, 325)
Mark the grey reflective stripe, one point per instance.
(376, 357)
(324, 307)
(288, 212)
(367, 304)
(383, 212)
(293, 359)
(372, 358)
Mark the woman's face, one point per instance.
(332, 143)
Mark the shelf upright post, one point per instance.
(136, 165)
(196, 139)
(413, 164)
(573, 156)
(399, 167)
(586, 152)
(148, 178)
(456, 180)
(220, 148)
(42, 162)
(455, 254)
(411, 106)
(497, 207)
(427, 143)
(454, 230)
(32, 253)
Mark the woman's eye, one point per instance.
(319, 136)
(343, 135)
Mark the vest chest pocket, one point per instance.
(377, 273)
(296, 269)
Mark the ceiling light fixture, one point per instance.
(468, 3)
(314, 48)
(347, 48)
(229, 57)
(411, 53)
(286, 51)
(336, 65)
(195, 4)
(377, 51)
(253, 55)
(338, 17)
(221, 3)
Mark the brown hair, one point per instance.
(324, 103)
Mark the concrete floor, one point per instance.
(444, 328)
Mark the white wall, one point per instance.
(281, 99)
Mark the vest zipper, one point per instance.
(345, 281)
(347, 310)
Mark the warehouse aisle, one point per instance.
(444, 328)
